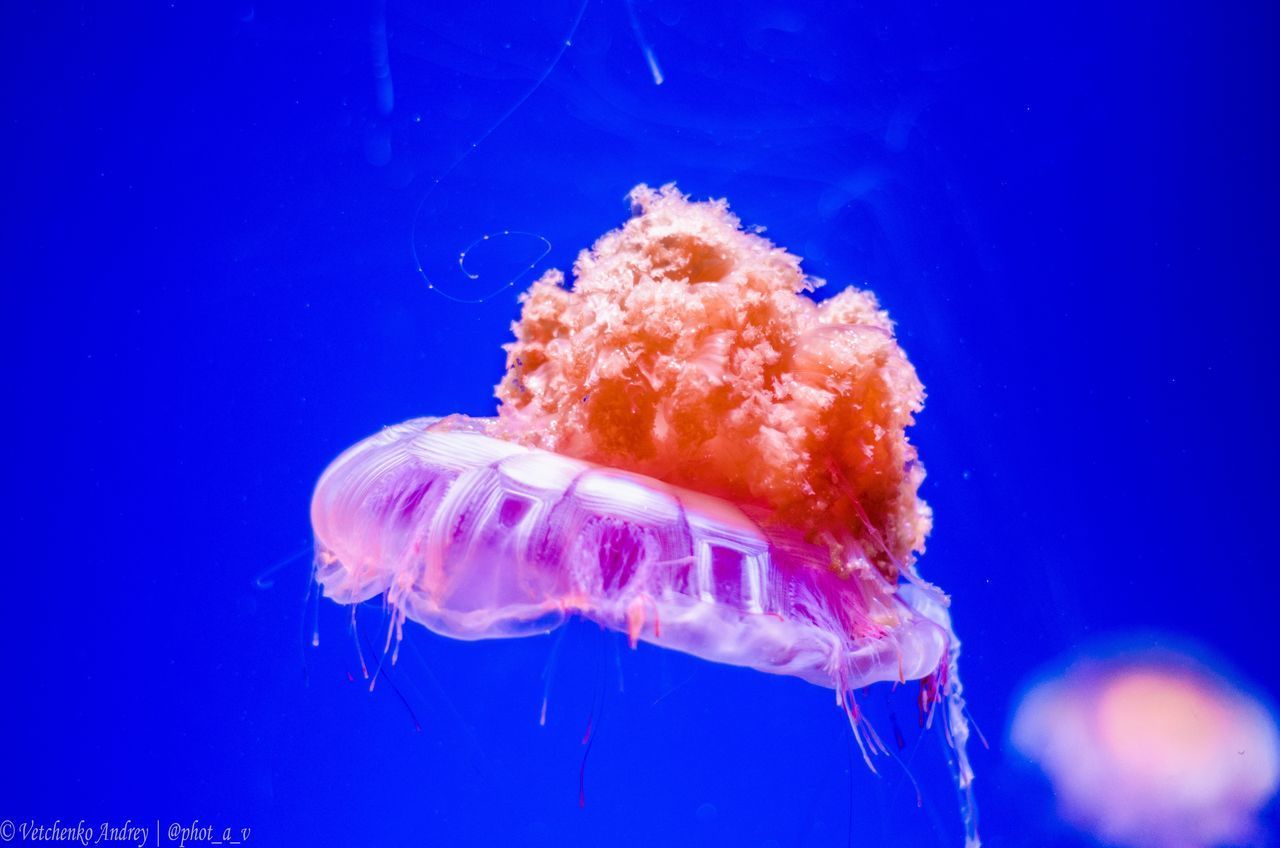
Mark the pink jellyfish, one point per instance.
(687, 450)
(1151, 751)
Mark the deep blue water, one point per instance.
(212, 217)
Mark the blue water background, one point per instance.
(212, 217)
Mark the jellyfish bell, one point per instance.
(686, 450)
(1151, 749)
(476, 537)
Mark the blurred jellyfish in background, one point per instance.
(1152, 749)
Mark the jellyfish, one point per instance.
(688, 450)
(1151, 750)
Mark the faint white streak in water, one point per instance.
(383, 91)
(417, 214)
(649, 56)
(462, 257)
